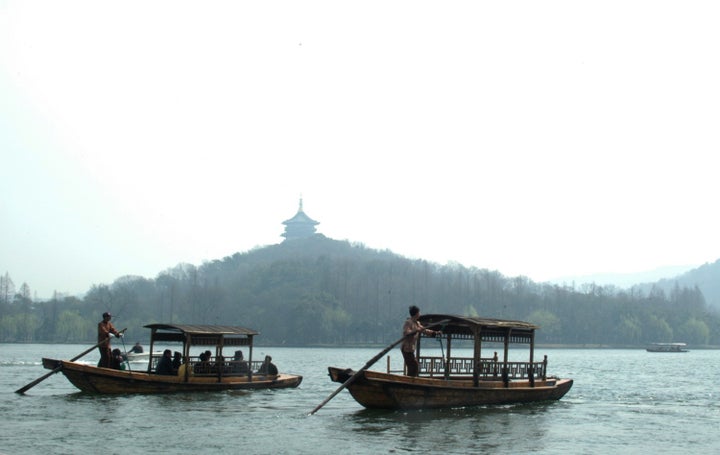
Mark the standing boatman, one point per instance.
(105, 331)
(411, 331)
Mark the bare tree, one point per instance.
(7, 289)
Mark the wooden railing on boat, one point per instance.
(213, 368)
(489, 368)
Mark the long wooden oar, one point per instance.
(58, 368)
(370, 362)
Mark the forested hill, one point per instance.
(319, 291)
(705, 277)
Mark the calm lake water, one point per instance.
(623, 401)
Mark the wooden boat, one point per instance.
(667, 347)
(454, 381)
(221, 373)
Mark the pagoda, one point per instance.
(300, 226)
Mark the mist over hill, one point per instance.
(625, 280)
(706, 278)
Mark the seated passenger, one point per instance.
(185, 370)
(268, 368)
(137, 349)
(117, 360)
(177, 361)
(219, 365)
(164, 366)
(203, 366)
(239, 364)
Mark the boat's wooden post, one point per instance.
(531, 375)
(250, 370)
(531, 370)
(446, 361)
(505, 372)
(186, 358)
(544, 373)
(476, 356)
(189, 342)
(152, 343)
(388, 364)
(532, 346)
(220, 357)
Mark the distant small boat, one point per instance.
(141, 356)
(667, 347)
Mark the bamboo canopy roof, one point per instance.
(192, 329)
(487, 329)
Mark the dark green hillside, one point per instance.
(319, 291)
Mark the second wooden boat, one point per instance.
(453, 380)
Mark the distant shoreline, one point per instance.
(381, 346)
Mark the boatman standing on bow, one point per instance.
(105, 331)
(412, 330)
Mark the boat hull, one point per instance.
(666, 350)
(374, 389)
(98, 380)
(667, 347)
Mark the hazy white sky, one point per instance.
(542, 139)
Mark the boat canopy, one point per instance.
(194, 329)
(467, 327)
(217, 335)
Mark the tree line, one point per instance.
(319, 291)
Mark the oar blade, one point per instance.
(24, 389)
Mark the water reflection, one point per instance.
(485, 428)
